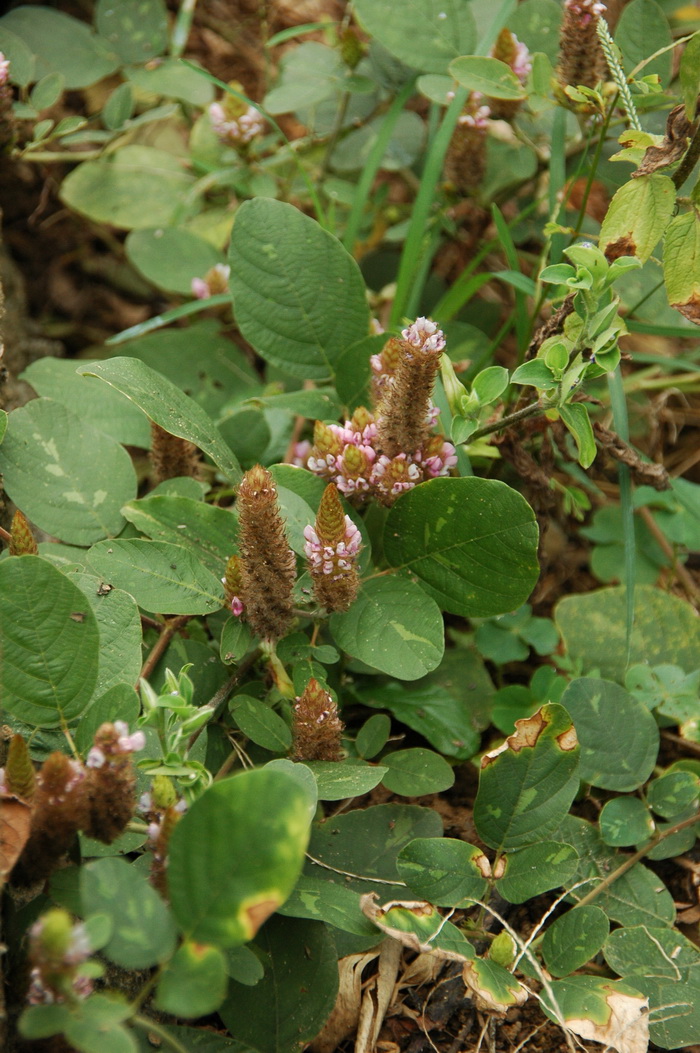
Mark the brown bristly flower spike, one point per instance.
(22, 541)
(268, 565)
(110, 781)
(403, 421)
(316, 726)
(331, 547)
(581, 58)
(59, 811)
(171, 456)
(20, 777)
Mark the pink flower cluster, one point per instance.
(125, 744)
(4, 70)
(232, 130)
(586, 10)
(336, 559)
(214, 281)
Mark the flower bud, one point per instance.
(331, 549)
(316, 726)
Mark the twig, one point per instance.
(635, 858)
(689, 161)
(511, 418)
(219, 700)
(349, 873)
(683, 575)
(161, 644)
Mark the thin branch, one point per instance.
(161, 645)
(505, 422)
(635, 858)
(683, 575)
(689, 161)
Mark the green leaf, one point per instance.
(299, 297)
(367, 843)
(319, 404)
(416, 771)
(449, 707)
(143, 933)
(535, 374)
(171, 257)
(573, 939)
(624, 757)
(61, 44)
(444, 871)
(625, 821)
(68, 478)
(327, 901)
(243, 965)
(673, 793)
(217, 375)
(172, 79)
(207, 532)
(169, 407)
(45, 93)
(51, 640)
(236, 640)
(119, 625)
(489, 76)
(43, 1021)
(536, 23)
(527, 786)
(682, 265)
(309, 74)
(261, 724)
(18, 55)
(637, 897)
(666, 630)
(417, 925)
(338, 781)
(577, 421)
(235, 856)
(536, 869)
(639, 212)
(97, 1024)
(119, 702)
(194, 981)
(496, 986)
(3, 424)
(161, 577)
(372, 736)
(287, 1008)
(118, 108)
(445, 30)
(473, 542)
(136, 186)
(100, 407)
(689, 74)
(136, 29)
(392, 626)
(641, 31)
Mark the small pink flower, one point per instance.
(424, 334)
(4, 70)
(214, 281)
(237, 606)
(95, 758)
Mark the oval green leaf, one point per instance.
(67, 477)
(415, 771)
(445, 30)
(206, 531)
(682, 265)
(637, 217)
(394, 627)
(171, 257)
(443, 870)
(536, 869)
(625, 821)
(487, 75)
(472, 541)
(299, 297)
(236, 854)
(194, 981)
(623, 757)
(51, 643)
(162, 578)
(527, 785)
(574, 939)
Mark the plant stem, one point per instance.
(161, 645)
(635, 858)
(512, 418)
(689, 161)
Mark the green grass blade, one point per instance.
(621, 422)
(192, 307)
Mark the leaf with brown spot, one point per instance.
(672, 147)
(682, 265)
(638, 215)
(15, 821)
(526, 786)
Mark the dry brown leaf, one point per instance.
(15, 821)
(346, 1011)
(378, 997)
(627, 1030)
